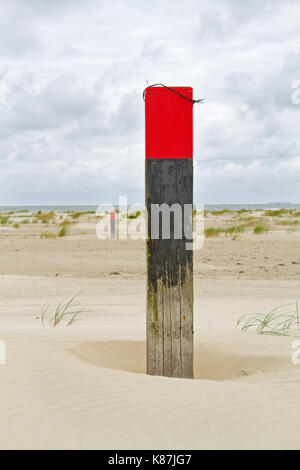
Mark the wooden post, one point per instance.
(169, 199)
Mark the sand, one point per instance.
(85, 387)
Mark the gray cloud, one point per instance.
(72, 128)
(57, 104)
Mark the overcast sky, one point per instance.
(72, 116)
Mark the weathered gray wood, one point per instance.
(170, 273)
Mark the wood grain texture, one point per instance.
(170, 272)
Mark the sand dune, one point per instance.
(85, 387)
(78, 388)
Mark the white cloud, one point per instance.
(72, 128)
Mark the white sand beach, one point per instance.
(85, 386)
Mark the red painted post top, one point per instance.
(169, 122)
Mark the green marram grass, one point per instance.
(276, 212)
(47, 235)
(213, 231)
(260, 229)
(76, 215)
(45, 215)
(66, 312)
(234, 230)
(63, 232)
(287, 222)
(134, 215)
(283, 321)
(221, 212)
(65, 222)
(250, 221)
(4, 219)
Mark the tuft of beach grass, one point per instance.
(63, 232)
(47, 235)
(66, 312)
(283, 321)
(221, 212)
(213, 231)
(260, 229)
(65, 222)
(4, 219)
(275, 212)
